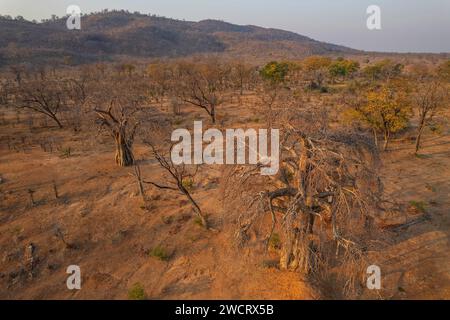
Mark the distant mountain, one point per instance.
(111, 35)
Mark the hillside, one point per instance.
(111, 35)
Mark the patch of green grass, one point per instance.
(160, 253)
(137, 292)
(178, 121)
(17, 230)
(420, 206)
(188, 183)
(422, 156)
(255, 119)
(198, 221)
(65, 152)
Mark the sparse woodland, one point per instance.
(338, 119)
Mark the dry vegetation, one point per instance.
(86, 178)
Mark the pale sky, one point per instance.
(407, 25)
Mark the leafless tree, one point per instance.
(241, 74)
(320, 203)
(45, 96)
(176, 175)
(429, 97)
(201, 86)
(120, 110)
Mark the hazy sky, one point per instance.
(407, 25)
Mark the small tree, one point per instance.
(241, 74)
(176, 175)
(428, 98)
(275, 72)
(444, 70)
(342, 68)
(383, 70)
(316, 68)
(201, 86)
(387, 110)
(42, 95)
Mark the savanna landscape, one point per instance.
(86, 176)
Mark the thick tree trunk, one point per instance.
(124, 155)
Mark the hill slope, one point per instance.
(109, 35)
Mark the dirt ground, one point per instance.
(98, 222)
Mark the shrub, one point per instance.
(65, 152)
(420, 206)
(188, 184)
(137, 292)
(160, 253)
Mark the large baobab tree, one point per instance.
(319, 204)
(120, 110)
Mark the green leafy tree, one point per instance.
(386, 110)
(342, 68)
(275, 72)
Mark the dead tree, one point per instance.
(44, 96)
(201, 86)
(319, 203)
(176, 175)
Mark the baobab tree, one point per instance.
(120, 111)
(320, 203)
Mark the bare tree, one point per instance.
(117, 122)
(319, 203)
(201, 86)
(176, 175)
(241, 74)
(43, 95)
(4, 92)
(429, 97)
(120, 111)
